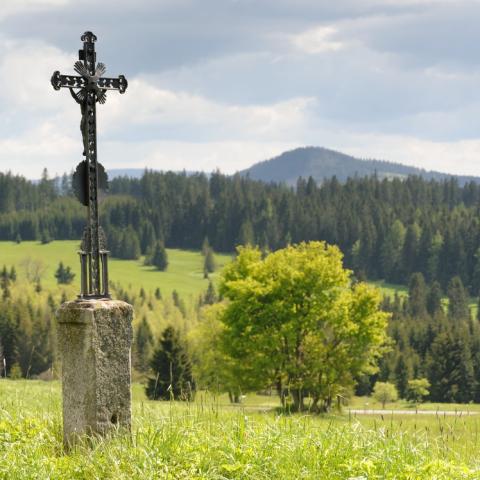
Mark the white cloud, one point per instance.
(209, 134)
(16, 7)
(146, 105)
(317, 40)
(44, 146)
(392, 79)
(227, 156)
(456, 157)
(25, 71)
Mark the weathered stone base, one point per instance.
(94, 340)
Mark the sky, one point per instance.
(223, 84)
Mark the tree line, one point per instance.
(387, 229)
(434, 339)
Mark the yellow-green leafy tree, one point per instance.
(294, 319)
(385, 392)
(418, 390)
(214, 370)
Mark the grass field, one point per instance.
(184, 273)
(206, 440)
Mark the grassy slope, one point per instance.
(204, 440)
(184, 273)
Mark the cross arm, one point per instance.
(67, 81)
(73, 81)
(119, 83)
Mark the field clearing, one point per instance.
(389, 289)
(204, 440)
(184, 273)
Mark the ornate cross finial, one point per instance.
(88, 89)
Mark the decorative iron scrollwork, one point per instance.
(88, 37)
(55, 80)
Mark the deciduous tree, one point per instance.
(294, 320)
(385, 392)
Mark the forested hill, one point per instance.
(322, 163)
(387, 229)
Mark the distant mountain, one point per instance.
(321, 163)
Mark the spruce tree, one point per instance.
(450, 364)
(130, 245)
(402, 375)
(391, 251)
(478, 309)
(205, 246)
(10, 334)
(64, 275)
(417, 296)
(5, 286)
(434, 299)
(209, 263)
(179, 303)
(45, 237)
(159, 257)
(143, 345)
(172, 370)
(210, 295)
(410, 250)
(148, 238)
(13, 274)
(458, 308)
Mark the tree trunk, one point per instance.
(234, 396)
(281, 393)
(297, 397)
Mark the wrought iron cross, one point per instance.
(88, 89)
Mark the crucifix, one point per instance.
(87, 89)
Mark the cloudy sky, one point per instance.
(226, 83)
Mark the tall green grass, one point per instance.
(203, 440)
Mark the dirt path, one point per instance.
(458, 413)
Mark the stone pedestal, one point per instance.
(94, 340)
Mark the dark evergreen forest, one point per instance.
(387, 229)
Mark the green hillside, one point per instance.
(184, 273)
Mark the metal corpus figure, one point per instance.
(88, 89)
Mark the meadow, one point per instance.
(184, 272)
(207, 439)
(210, 438)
